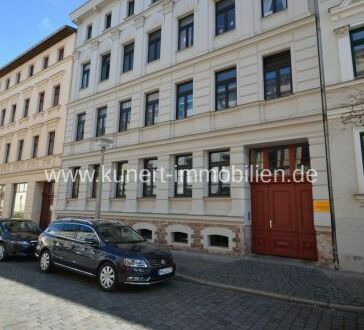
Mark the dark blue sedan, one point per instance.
(18, 238)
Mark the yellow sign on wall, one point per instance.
(321, 206)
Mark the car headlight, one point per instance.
(131, 262)
(19, 242)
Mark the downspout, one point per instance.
(326, 134)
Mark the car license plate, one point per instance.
(165, 271)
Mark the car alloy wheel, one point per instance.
(45, 261)
(108, 277)
(2, 252)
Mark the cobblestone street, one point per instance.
(63, 300)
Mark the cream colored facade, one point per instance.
(345, 110)
(16, 86)
(253, 123)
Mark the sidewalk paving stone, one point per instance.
(288, 278)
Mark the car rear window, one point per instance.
(19, 226)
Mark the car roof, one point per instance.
(12, 219)
(94, 222)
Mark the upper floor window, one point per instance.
(20, 150)
(3, 115)
(45, 62)
(184, 100)
(60, 54)
(108, 21)
(89, 32)
(152, 109)
(130, 8)
(225, 16)
(357, 44)
(149, 185)
(18, 76)
(85, 75)
(121, 173)
(13, 113)
(51, 139)
(95, 180)
(124, 119)
(270, 7)
(2, 198)
(277, 75)
(105, 67)
(219, 165)
(56, 94)
(362, 146)
(7, 153)
(26, 107)
(80, 131)
(41, 101)
(183, 185)
(128, 61)
(154, 46)
(101, 121)
(31, 70)
(226, 90)
(185, 32)
(35, 146)
(7, 83)
(75, 182)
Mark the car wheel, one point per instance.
(3, 254)
(45, 262)
(108, 277)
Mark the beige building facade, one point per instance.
(209, 85)
(34, 90)
(342, 25)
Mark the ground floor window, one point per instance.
(2, 198)
(179, 237)
(219, 241)
(20, 194)
(146, 233)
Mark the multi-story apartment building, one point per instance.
(34, 89)
(342, 25)
(204, 85)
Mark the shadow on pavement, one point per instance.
(170, 305)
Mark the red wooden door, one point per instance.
(282, 220)
(260, 214)
(47, 202)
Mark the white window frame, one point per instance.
(359, 158)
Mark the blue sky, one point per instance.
(23, 23)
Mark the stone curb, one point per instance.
(278, 296)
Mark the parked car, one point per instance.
(108, 250)
(18, 238)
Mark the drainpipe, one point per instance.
(326, 134)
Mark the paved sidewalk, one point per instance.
(294, 279)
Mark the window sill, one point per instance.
(38, 114)
(278, 99)
(24, 119)
(359, 197)
(212, 198)
(180, 198)
(118, 199)
(225, 32)
(147, 198)
(54, 109)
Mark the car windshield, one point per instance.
(19, 226)
(118, 234)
